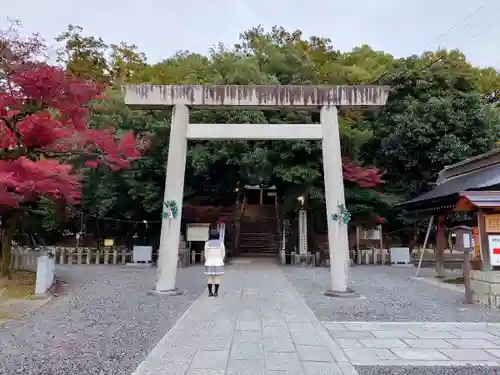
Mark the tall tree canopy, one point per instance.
(436, 115)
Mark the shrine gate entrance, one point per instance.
(325, 98)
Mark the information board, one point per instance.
(494, 245)
(492, 223)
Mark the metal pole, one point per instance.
(431, 220)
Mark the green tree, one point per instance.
(83, 56)
(434, 117)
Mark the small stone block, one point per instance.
(473, 344)
(314, 353)
(302, 327)
(282, 361)
(246, 350)
(475, 335)
(346, 294)
(369, 355)
(205, 371)
(275, 332)
(278, 344)
(322, 369)
(393, 334)
(349, 343)
(248, 326)
(419, 354)
(267, 322)
(423, 334)
(210, 359)
(166, 293)
(383, 343)
(296, 318)
(468, 355)
(306, 339)
(495, 352)
(351, 335)
(428, 344)
(245, 367)
(334, 326)
(247, 336)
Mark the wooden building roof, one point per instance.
(476, 175)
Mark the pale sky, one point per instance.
(162, 27)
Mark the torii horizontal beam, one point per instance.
(146, 96)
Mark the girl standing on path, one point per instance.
(214, 262)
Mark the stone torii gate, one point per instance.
(325, 98)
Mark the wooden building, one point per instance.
(473, 186)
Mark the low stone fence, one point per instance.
(367, 256)
(39, 261)
(25, 258)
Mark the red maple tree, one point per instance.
(44, 129)
(367, 178)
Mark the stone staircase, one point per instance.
(258, 231)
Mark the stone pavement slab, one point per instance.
(258, 325)
(418, 343)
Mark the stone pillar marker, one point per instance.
(265, 97)
(168, 251)
(338, 245)
(303, 233)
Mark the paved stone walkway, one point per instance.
(418, 343)
(258, 325)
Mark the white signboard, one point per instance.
(142, 254)
(400, 255)
(467, 241)
(197, 232)
(494, 246)
(370, 234)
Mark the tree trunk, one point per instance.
(10, 229)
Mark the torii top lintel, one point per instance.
(147, 96)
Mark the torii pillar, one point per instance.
(327, 99)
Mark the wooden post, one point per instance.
(381, 244)
(88, 253)
(358, 250)
(79, 256)
(422, 250)
(467, 271)
(61, 256)
(440, 244)
(483, 240)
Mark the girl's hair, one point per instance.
(214, 234)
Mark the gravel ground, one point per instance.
(407, 370)
(106, 323)
(389, 294)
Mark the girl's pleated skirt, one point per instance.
(214, 270)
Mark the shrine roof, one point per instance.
(146, 96)
(482, 199)
(447, 193)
